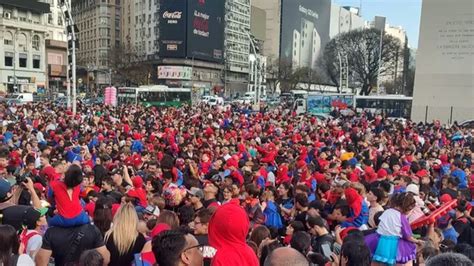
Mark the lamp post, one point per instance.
(255, 70)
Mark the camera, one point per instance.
(21, 179)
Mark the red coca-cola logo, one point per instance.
(172, 15)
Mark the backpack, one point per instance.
(24, 238)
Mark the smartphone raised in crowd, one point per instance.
(326, 251)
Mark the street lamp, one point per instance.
(255, 69)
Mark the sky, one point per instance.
(405, 13)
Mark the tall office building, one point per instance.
(99, 32)
(237, 45)
(344, 19)
(271, 44)
(22, 37)
(140, 27)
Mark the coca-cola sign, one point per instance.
(173, 28)
(172, 15)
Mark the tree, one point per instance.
(129, 66)
(281, 73)
(273, 79)
(362, 48)
(291, 77)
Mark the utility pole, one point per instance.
(255, 70)
(15, 88)
(380, 60)
(71, 31)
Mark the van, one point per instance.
(19, 98)
(215, 101)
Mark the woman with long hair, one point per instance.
(9, 247)
(103, 214)
(123, 239)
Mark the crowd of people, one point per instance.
(200, 185)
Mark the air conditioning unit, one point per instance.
(7, 15)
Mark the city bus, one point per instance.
(390, 105)
(155, 95)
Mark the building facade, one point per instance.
(344, 19)
(99, 34)
(22, 49)
(271, 44)
(237, 45)
(140, 27)
(56, 48)
(191, 40)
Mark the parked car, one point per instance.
(246, 100)
(215, 101)
(467, 124)
(92, 101)
(205, 98)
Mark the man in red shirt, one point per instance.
(48, 172)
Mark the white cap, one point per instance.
(413, 189)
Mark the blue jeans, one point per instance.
(60, 221)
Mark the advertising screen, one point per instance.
(173, 28)
(205, 35)
(304, 31)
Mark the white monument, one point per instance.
(444, 82)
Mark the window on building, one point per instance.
(60, 20)
(22, 41)
(8, 39)
(103, 21)
(23, 60)
(36, 42)
(8, 59)
(36, 62)
(50, 18)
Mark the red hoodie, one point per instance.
(228, 229)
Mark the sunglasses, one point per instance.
(200, 248)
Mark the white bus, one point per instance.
(155, 95)
(389, 105)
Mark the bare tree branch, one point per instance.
(362, 47)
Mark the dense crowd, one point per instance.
(198, 185)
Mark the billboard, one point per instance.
(205, 32)
(304, 31)
(173, 28)
(175, 72)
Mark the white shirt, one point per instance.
(390, 223)
(34, 244)
(40, 136)
(25, 260)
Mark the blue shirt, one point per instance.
(461, 176)
(360, 220)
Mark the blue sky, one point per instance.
(405, 13)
